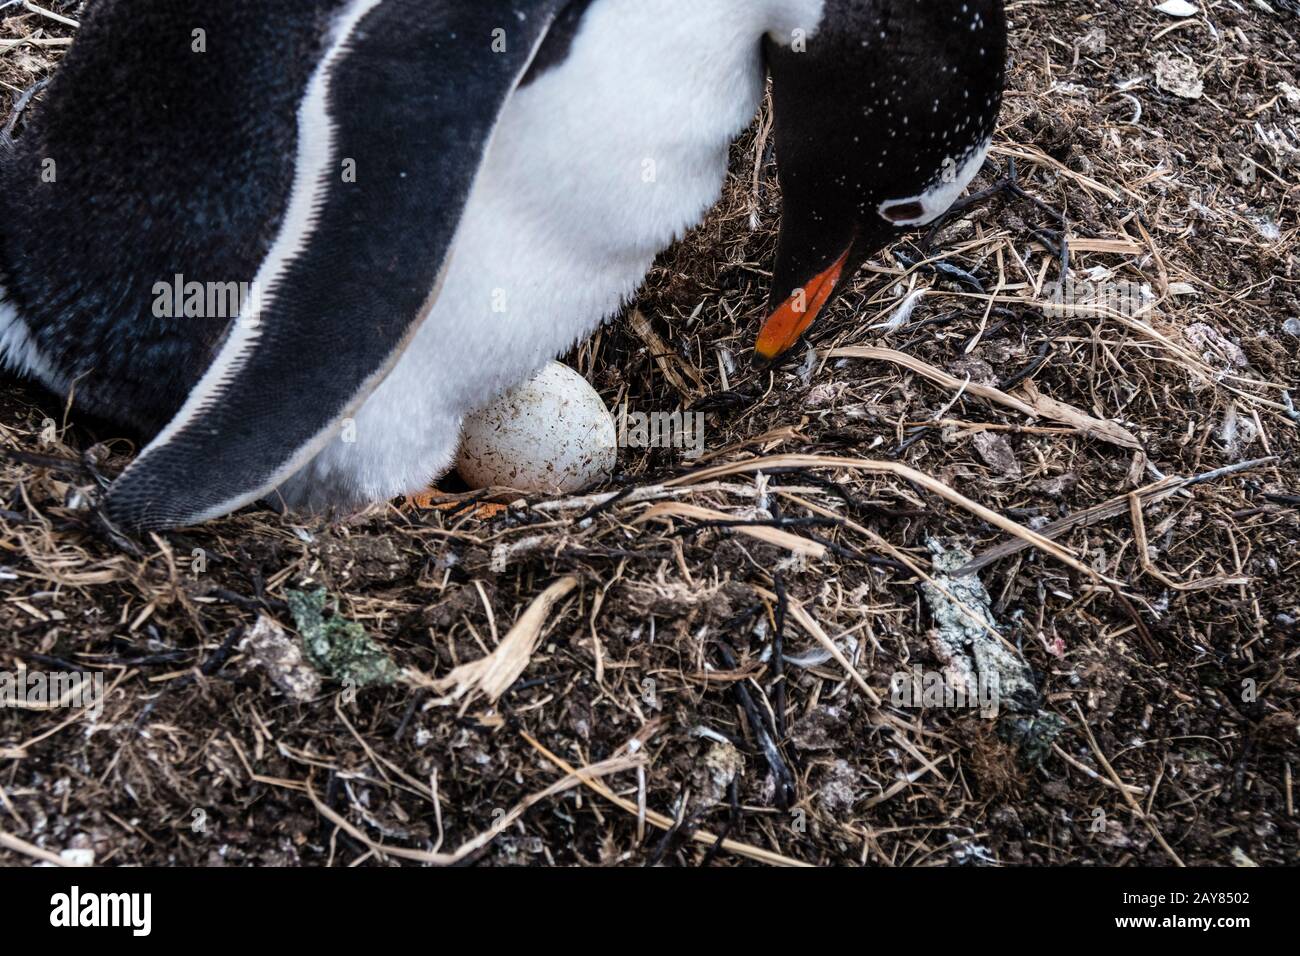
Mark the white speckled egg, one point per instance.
(551, 435)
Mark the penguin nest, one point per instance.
(717, 643)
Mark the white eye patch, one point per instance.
(950, 183)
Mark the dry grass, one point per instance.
(1125, 479)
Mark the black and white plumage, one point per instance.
(429, 200)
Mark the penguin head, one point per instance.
(883, 116)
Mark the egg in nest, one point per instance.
(551, 435)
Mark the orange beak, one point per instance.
(783, 328)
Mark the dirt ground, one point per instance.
(713, 653)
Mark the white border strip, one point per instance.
(315, 152)
(311, 182)
(316, 141)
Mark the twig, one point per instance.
(784, 779)
(1124, 790)
(657, 819)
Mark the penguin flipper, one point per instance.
(392, 131)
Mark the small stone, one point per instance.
(819, 730)
(998, 454)
(839, 789)
(1179, 76)
(271, 648)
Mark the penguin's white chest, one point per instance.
(597, 166)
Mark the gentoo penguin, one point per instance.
(414, 204)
